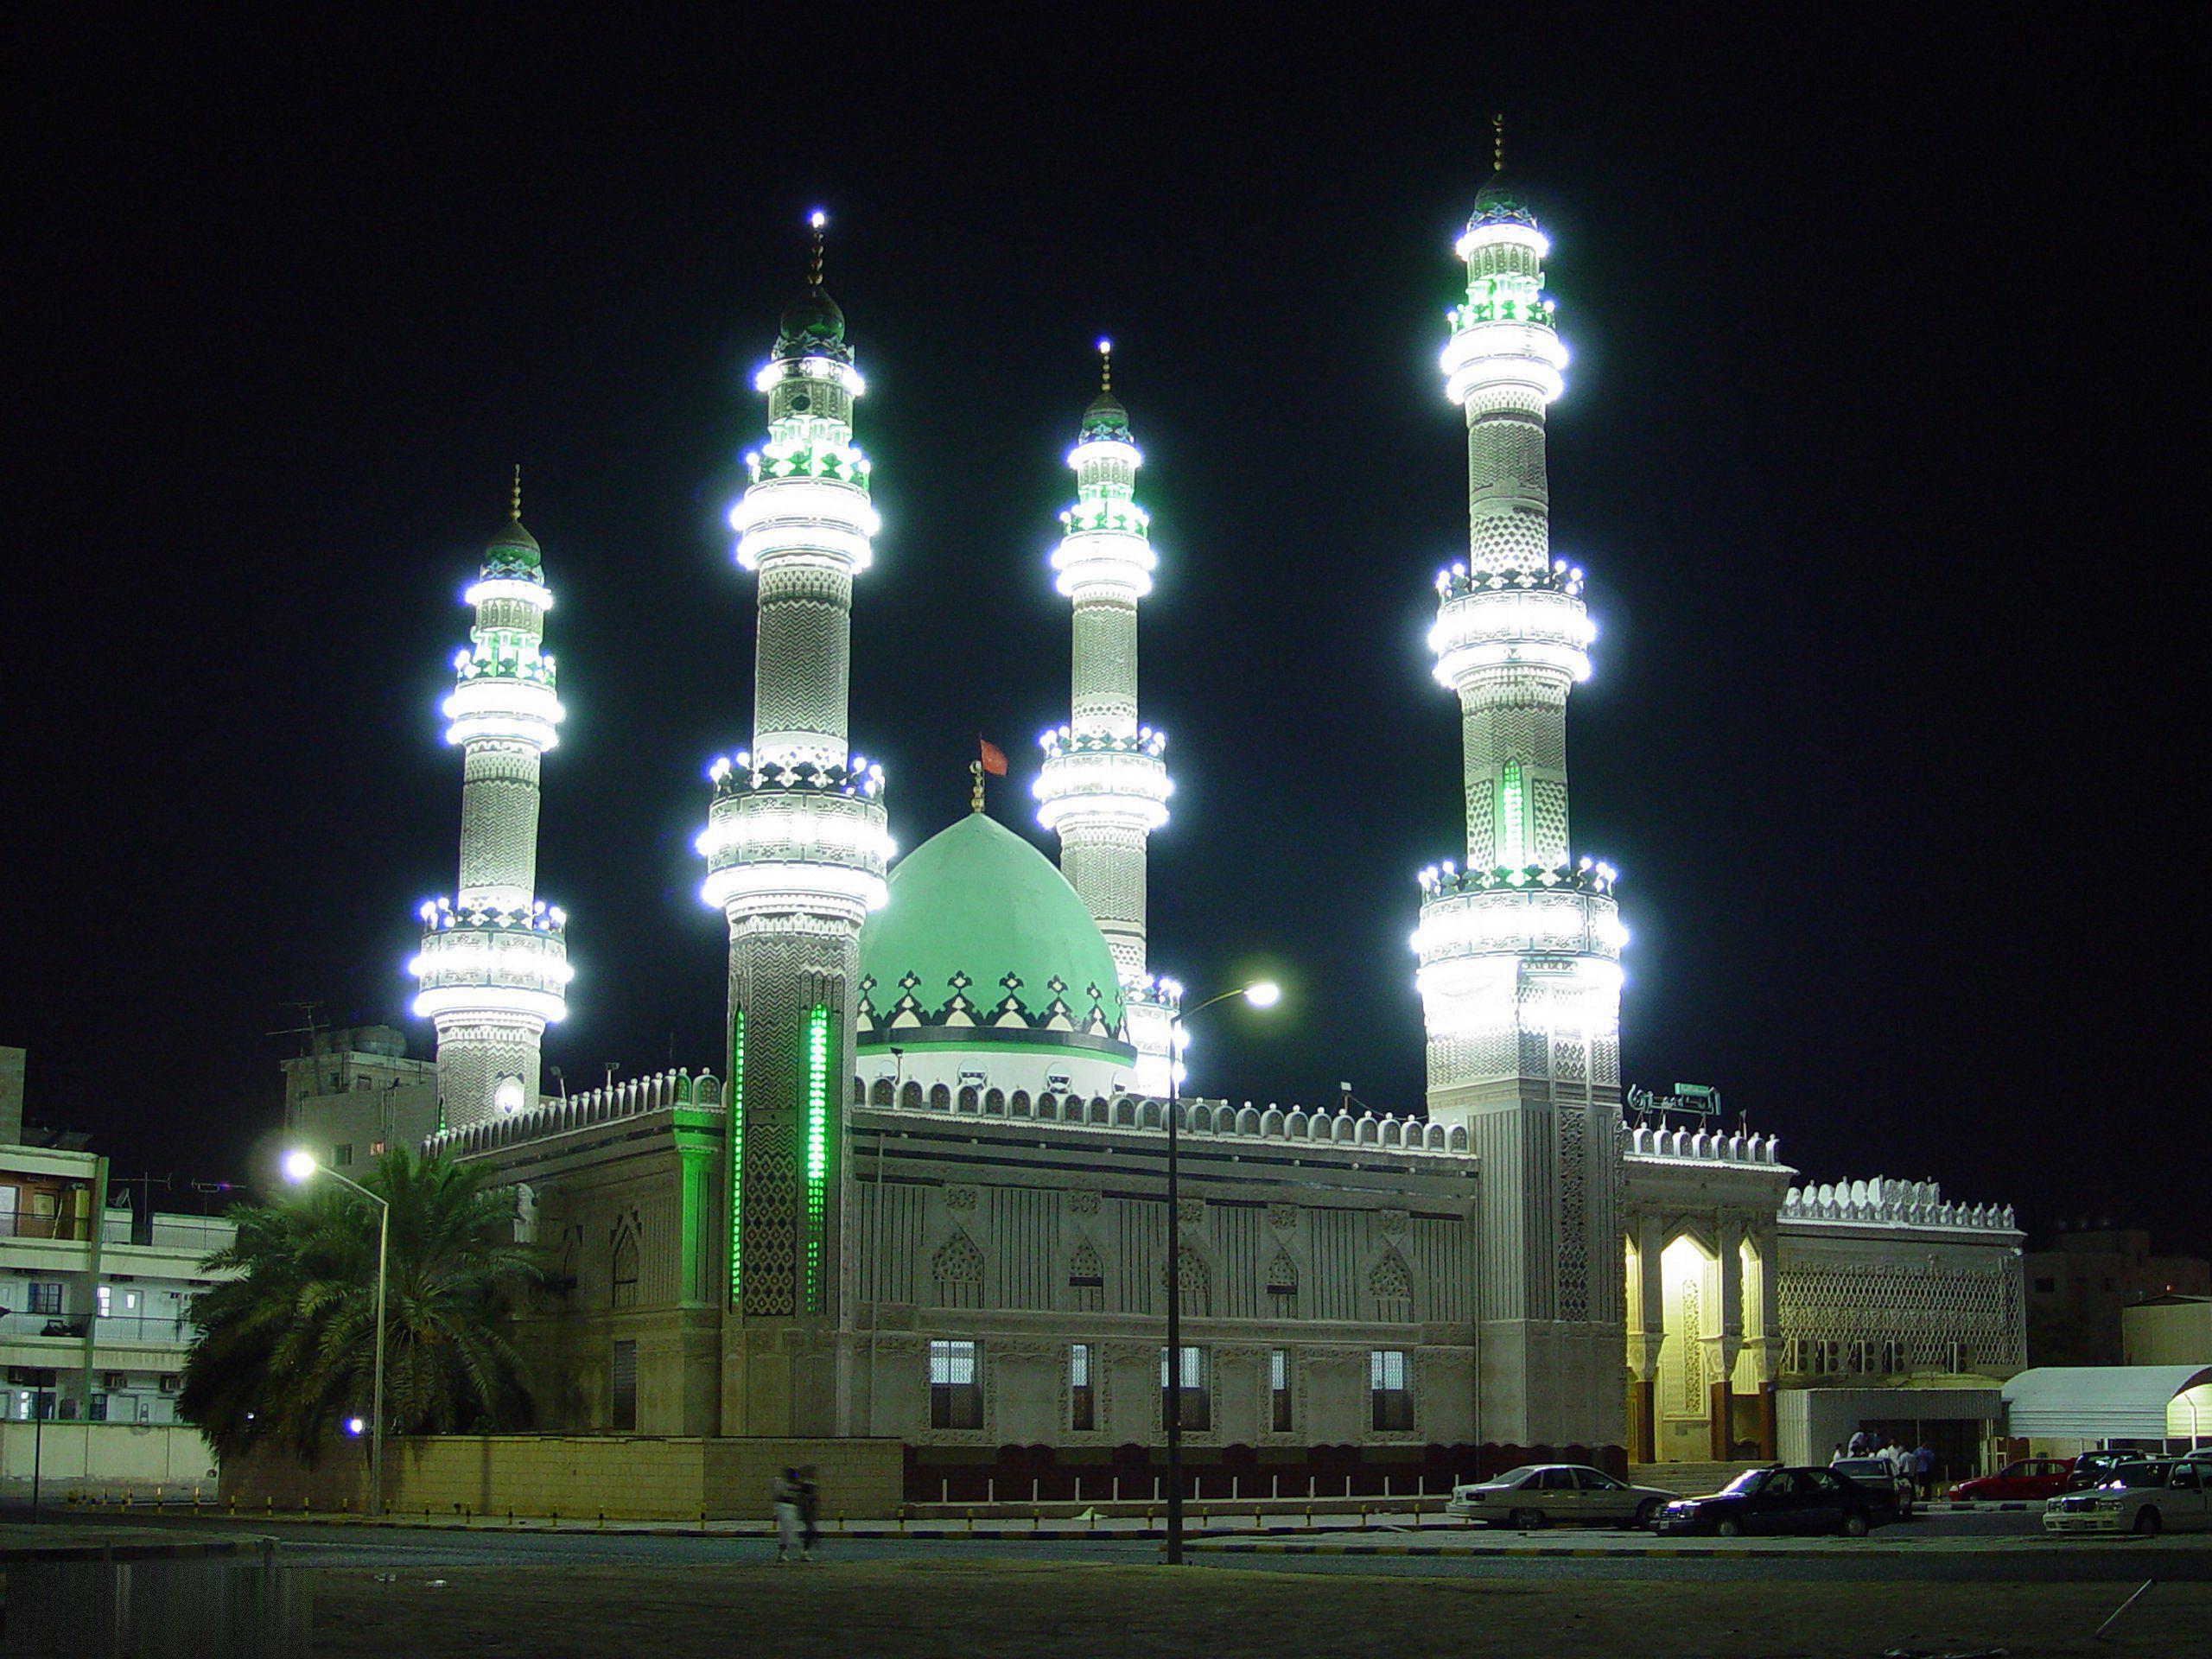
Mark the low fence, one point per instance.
(645, 1477)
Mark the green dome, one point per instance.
(977, 901)
(813, 325)
(513, 549)
(1106, 418)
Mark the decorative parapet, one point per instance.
(530, 670)
(1456, 582)
(1704, 1145)
(1522, 352)
(503, 704)
(1011, 1010)
(563, 1113)
(1542, 623)
(1107, 515)
(1583, 875)
(813, 519)
(1206, 1119)
(1087, 775)
(1154, 991)
(1461, 918)
(805, 458)
(1885, 1202)
(803, 833)
(485, 961)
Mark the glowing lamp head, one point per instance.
(507, 1096)
(298, 1166)
(1264, 994)
(817, 219)
(356, 1426)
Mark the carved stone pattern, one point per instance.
(1083, 1201)
(960, 1198)
(1693, 1400)
(1191, 1212)
(1392, 1222)
(770, 1219)
(1282, 1217)
(1574, 1223)
(1921, 1308)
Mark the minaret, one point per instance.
(1104, 787)
(1519, 951)
(494, 964)
(795, 846)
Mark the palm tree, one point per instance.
(287, 1350)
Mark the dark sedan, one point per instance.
(1765, 1501)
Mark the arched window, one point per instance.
(882, 1091)
(1392, 1286)
(1197, 1283)
(1086, 1278)
(959, 1269)
(940, 1098)
(622, 1271)
(1282, 1285)
(911, 1095)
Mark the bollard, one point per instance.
(1309, 1517)
(234, 1502)
(703, 1520)
(1037, 1518)
(510, 1515)
(841, 1526)
(902, 1519)
(1094, 1518)
(159, 1499)
(1148, 1518)
(990, 1489)
(555, 1523)
(345, 1505)
(1362, 1517)
(971, 1519)
(945, 1491)
(303, 1503)
(126, 1499)
(602, 1520)
(268, 1503)
(426, 1515)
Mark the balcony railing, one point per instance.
(18, 1225)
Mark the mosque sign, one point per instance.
(1699, 1099)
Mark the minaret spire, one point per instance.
(795, 848)
(1497, 144)
(1104, 785)
(1519, 951)
(494, 968)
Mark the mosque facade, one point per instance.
(923, 1192)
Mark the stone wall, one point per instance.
(625, 1476)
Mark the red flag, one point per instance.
(994, 757)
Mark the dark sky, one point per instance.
(1879, 333)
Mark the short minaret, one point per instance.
(1104, 785)
(1519, 951)
(494, 964)
(795, 846)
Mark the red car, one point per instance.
(2031, 1478)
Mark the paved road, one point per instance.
(1984, 1548)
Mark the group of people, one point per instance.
(797, 1513)
(1917, 1466)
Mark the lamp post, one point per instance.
(1261, 993)
(300, 1166)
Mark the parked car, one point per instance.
(1552, 1494)
(2145, 1498)
(2031, 1479)
(1782, 1499)
(2094, 1468)
(1880, 1472)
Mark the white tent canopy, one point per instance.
(2099, 1402)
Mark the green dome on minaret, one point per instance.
(514, 551)
(968, 907)
(813, 325)
(1105, 418)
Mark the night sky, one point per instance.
(1877, 372)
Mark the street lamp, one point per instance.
(301, 1166)
(1261, 993)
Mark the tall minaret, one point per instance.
(1104, 787)
(795, 846)
(494, 966)
(1520, 952)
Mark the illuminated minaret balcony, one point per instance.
(780, 837)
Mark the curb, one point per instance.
(1554, 1551)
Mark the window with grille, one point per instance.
(1390, 1387)
(1082, 1399)
(45, 1299)
(1194, 1396)
(341, 1156)
(955, 1390)
(1278, 1391)
(623, 1370)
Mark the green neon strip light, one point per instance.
(1511, 818)
(817, 1147)
(736, 1158)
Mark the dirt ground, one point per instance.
(917, 1609)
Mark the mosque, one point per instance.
(922, 1195)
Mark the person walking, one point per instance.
(789, 1519)
(809, 1513)
(1923, 1469)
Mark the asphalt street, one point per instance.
(1962, 1548)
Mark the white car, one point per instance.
(1556, 1494)
(2145, 1498)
